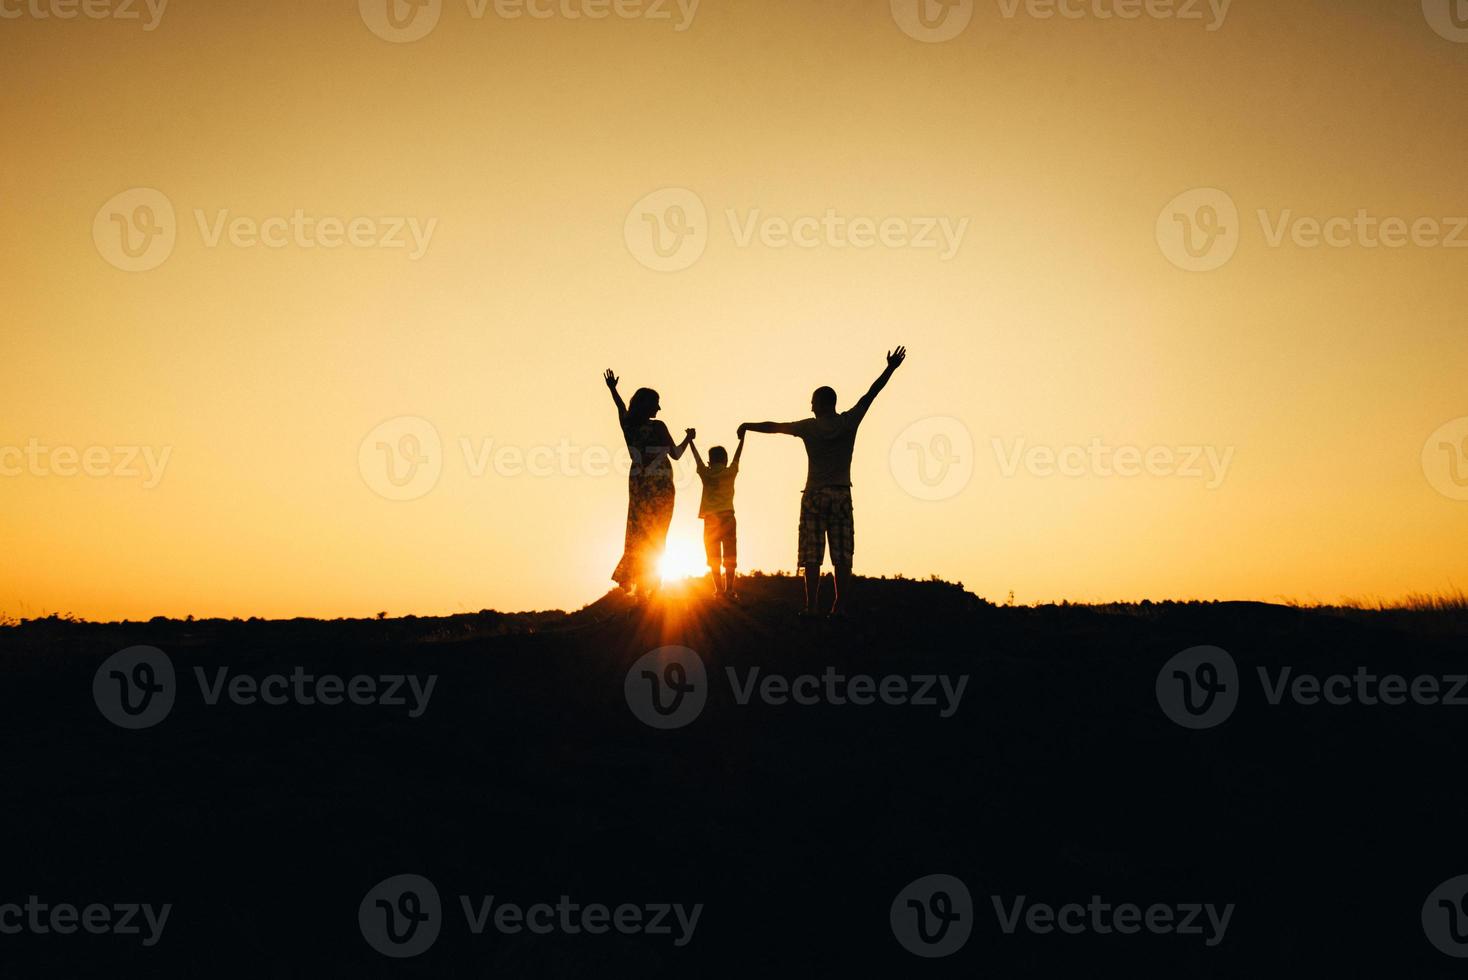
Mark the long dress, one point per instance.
(649, 502)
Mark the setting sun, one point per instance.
(683, 559)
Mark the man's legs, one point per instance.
(812, 549)
(843, 587)
(841, 527)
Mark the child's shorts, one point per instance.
(720, 532)
(826, 513)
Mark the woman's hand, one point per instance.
(690, 434)
(611, 379)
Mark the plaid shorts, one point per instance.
(721, 531)
(826, 513)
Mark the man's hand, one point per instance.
(611, 379)
(894, 358)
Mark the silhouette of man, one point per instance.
(825, 504)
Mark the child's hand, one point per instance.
(611, 379)
(690, 434)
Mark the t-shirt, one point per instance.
(718, 489)
(829, 442)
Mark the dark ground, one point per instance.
(529, 777)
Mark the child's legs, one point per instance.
(711, 539)
(730, 542)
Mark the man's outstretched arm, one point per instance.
(774, 428)
(894, 361)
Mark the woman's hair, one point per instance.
(639, 410)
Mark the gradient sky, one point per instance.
(1059, 321)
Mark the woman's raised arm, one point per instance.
(611, 380)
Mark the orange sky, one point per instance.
(1009, 187)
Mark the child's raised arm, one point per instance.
(739, 451)
(697, 459)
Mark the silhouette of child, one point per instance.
(720, 530)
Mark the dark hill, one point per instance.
(528, 775)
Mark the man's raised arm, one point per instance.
(894, 361)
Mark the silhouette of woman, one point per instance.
(649, 487)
